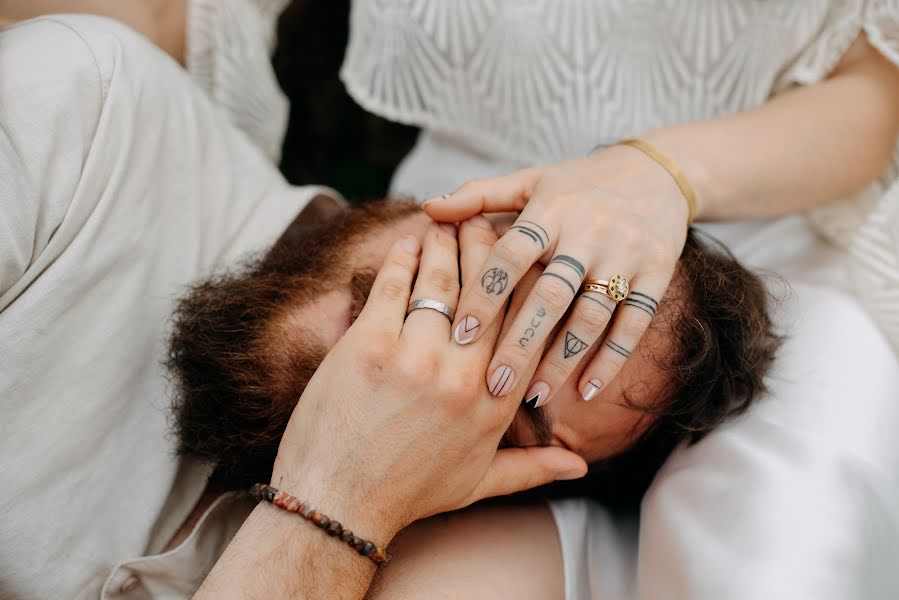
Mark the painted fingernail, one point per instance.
(466, 330)
(570, 474)
(449, 228)
(438, 198)
(501, 381)
(536, 395)
(411, 244)
(480, 221)
(590, 389)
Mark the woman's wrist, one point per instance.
(672, 142)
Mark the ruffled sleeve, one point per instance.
(867, 223)
(229, 47)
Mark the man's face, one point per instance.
(598, 429)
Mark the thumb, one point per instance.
(518, 469)
(508, 193)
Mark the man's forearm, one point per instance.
(277, 554)
(810, 146)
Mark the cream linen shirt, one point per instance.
(120, 183)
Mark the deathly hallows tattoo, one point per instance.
(573, 345)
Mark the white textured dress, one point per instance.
(798, 499)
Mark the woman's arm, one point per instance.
(164, 22)
(810, 146)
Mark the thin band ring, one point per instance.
(617, 288)
(432, 304)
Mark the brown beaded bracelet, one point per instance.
(370, 550)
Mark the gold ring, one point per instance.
(617, 288)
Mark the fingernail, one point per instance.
(448, 228)
(411, 245)
(570, 474)
(590, 389)
(429, 200)
(536, 395)
(480, 221)
(466, 330)
(501, 381)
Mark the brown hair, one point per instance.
(235, 389)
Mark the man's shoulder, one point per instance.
(77, 52)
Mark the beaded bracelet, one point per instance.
(370, 550)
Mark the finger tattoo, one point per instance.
(494, 281)
(559, 277)
(531, 331)
(588, 296)
(644, 306)
(619, 349)
(648, 299)
(573, 345)
(532, 230)
(562, 259)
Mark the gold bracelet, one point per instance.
(666, 163)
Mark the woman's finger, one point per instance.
(509, 193)
(517, 469)
(545, 306)
(632, 317)
(386, 306)
(589, 317)
(510, 258)
(438, 280)
(476, 240)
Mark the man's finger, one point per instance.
(518, 469)
(438, 279)
(509, 193)
(389, 298)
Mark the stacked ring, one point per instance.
(617, 288)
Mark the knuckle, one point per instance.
(553, 292)
(376, 355)
(395, 289)
(630, 330)
(417, 370)
(443, 281)
(553, 372)
(510, 253)
(594, 316)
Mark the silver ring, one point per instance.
(428, 303)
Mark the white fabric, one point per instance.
(120, 183)
(799, 498)
(516, 84)
(229, 46)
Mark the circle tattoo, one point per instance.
(495, 281)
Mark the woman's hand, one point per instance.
(397, 423)
(616, 212)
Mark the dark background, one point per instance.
(330, 139)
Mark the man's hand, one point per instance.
(397, 424)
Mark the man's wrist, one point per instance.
(345, 502)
